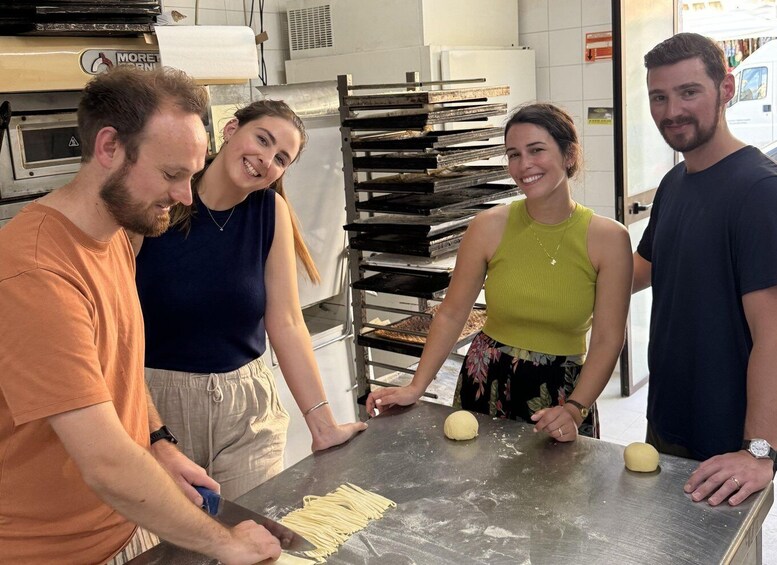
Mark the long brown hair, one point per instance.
(181, 215)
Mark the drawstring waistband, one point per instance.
(217, 396)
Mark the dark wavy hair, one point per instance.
(687, 46)
(558, 124)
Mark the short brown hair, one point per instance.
(126, 97)
(684, 46)
(558, 124)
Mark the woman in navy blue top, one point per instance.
(211, 286)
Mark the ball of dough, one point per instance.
(461, 425)
(641, 457)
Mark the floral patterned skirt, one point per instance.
(508, 382)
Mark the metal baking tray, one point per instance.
(416, 97)
(421, 226)
(415, 140)
(436, 181)
(426, 160)
(424, 117)
(426, 285)
(415, 347)
(409, 245)
(428, 204)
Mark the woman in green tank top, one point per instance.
(553, 270)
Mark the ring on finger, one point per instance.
(736, 482)
(561, 433)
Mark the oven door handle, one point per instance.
(5, 119)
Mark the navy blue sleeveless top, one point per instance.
(202, 293)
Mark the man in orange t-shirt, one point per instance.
(77, 471)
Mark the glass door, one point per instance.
(641, 155)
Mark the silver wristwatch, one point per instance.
(760, 449)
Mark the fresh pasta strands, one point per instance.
(328, 521)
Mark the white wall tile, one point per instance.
(566, 83)
(565, 47)
(235, 18)
(577, 187)
(575, 109)
(539, 42)
(532, 16)
(606, 211)
(271, 6)
(277, 31)
(600, 189)
(597, 79)
(598, 153)
(543, 84)
(563, 14)
(596, 12)
(179, 5)
(212, 5)
(209, 17)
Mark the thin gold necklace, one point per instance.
(220, 226)
(552, 258)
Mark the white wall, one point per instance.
(556, 30)
(230, 12)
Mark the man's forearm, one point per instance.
(154, 419)
(128, 478)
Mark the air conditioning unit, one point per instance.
(335, 27)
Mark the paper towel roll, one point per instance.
(210, 53)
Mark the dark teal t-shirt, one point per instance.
(711, 239)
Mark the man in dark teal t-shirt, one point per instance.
(710, 254)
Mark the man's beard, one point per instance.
(127, 212)
(701, 136)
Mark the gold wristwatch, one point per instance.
(583, 410)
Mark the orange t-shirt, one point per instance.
(71, 336)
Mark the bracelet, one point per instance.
(317, 406)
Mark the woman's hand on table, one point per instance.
(557, 422)
(385, 397)
(335, 435)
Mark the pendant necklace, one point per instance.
(221, 226)
(552, 258)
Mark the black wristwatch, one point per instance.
(760, 449)
(163, 433)
(584, 411)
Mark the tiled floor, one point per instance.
(623, 421)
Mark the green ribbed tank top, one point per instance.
(532, 304)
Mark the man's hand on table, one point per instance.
(733, 476)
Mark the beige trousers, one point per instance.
(142, 540)
(232, 424)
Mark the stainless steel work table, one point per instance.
(508, 496)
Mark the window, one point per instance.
(753, 84)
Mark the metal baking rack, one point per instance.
(413, 182)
